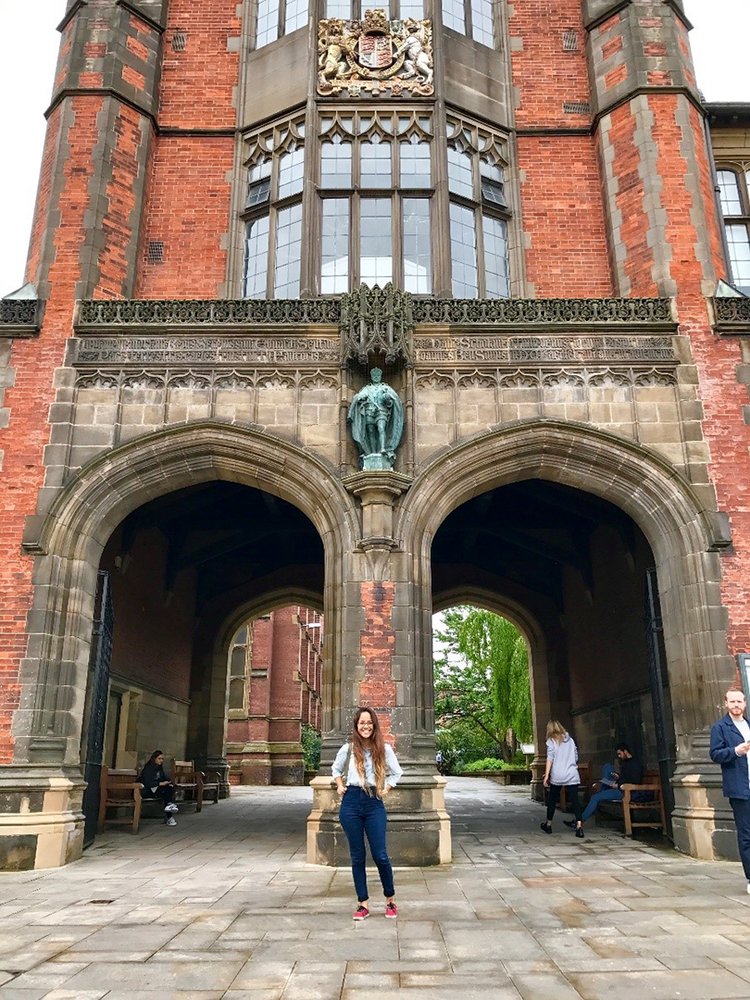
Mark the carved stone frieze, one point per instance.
(377, 324)
(563, 378)
(731, 314)
(233, 381)
(505, 349)
(476, 380)
(209, 350)
(519, 380)
(20, 317)
(568, 312)
(198, 315)
(375, 56)
(205, 313)
(533, 378)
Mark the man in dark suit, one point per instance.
(730, 743)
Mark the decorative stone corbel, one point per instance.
(377, 492)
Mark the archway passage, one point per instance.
(575, 573)
(182, 569)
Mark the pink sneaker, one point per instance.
(361, 913)
(391, 911)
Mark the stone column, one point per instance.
(385, 663)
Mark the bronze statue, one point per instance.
(376, 417)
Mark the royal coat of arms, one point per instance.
(375, 55)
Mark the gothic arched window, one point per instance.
(375, 190)
(273, 212)
(480, 260)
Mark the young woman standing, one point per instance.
(365, 770)
(561, 771)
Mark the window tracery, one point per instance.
(478, 212)
(275, 163)
(375, 191)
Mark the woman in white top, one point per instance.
(365, 770)
(561, 771)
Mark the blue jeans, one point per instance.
(606, 795)
(362, 814)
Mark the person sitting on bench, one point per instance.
(630, 772)
(158, 785)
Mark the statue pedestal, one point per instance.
(377, 463)
(419, 831)
(377, 491)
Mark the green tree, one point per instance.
(482, 680)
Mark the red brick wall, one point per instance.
(29, 399)
(197, 83)
(153, 640)
(563, 215)
(189, 200)
(377, 644)
(545, 76)
(188, 211)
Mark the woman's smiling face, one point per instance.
(364, 725)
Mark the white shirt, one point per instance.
(393, 769)
(744, 729)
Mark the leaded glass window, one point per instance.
(275, 18)
(376, 199)
(355, 9)
(480, 257)
(734, 196)
(273, 212)
(473, 18)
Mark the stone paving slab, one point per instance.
(225, 905)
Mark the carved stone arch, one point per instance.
(685, 533)
(217, 654)
(637, 480)
(682, 527)
(527, 622)
(80, 521)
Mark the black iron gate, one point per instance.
(96, 698)
(661, 700)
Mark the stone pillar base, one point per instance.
(41, 825)
(702, 821)
(538, 767)
(419, 828)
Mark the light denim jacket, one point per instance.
(393, 769)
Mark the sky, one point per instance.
(719, 40)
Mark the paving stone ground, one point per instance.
(225, 905)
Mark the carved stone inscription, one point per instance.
(538, 350)
(204, 350)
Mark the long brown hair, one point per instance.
(375, 745)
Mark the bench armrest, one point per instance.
(654, 787)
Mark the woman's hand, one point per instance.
(386, 789)
(340, 789)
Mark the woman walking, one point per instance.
(561, 772)
(365, 770)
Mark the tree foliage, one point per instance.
(482, 682)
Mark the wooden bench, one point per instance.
(647, 797)
(119, 790)
(651, 785)
(192, 785)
